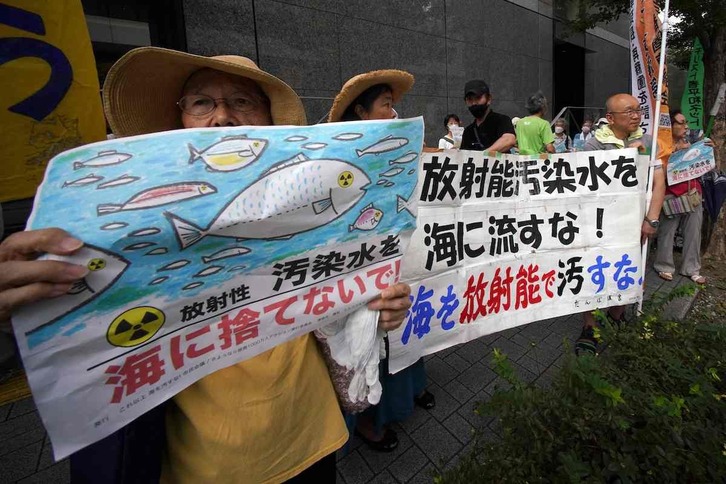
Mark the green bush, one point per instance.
(650, 408)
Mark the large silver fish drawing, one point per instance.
(230, 153)
(389, 143)
(294, 196)
(86, 180)
(104, 267)
(161, 195)
(104, 158)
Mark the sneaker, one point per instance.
(587, 343)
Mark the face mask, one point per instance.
(559, 130)
(452, 126)
(586, 129)
(478, 110)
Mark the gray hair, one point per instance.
(536, 103)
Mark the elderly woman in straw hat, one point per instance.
(267, 419)
(372, 96)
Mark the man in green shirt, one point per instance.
(534, 134)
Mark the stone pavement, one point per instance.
(429, 440)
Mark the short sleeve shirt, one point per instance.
(494, 126)
(533, 134)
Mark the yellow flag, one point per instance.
(49, 93)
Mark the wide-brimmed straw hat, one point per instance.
(399, 81)
(143, 87)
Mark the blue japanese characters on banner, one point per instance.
(507, 240)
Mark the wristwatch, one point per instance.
(653, 223)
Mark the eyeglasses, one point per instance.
(682, 123)
(630, 112)
(201, 104)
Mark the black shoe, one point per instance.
(388, 443)
(427, 401)
(587, 343)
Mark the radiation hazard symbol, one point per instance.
(345, 179)
(135, 326)
(96, 264)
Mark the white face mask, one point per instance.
(586, 129)
(452, 126)
(559, 129)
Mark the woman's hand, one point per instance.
(24, 280)
(393, 304)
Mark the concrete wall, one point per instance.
(316, 45)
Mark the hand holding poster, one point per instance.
(690, 163)
(507, 240)
(206, 247)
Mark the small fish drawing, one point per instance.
(83, 181)
(144, 232)
(407, 158)
(325, 188)
(388, 184)
(403, 204)
(192, 285)
(314, 146)
(114, 226)
(225, 253)
(389, 143)
(348, 136)
(236, 268)
(140, 245)
(208, 271)
(158, 280)
(412, 171)
(368, 219)
(161, 195)
(296, 137)
(158, 251)
(104, 158)
(175, 265)
(381, 182)
(117, 182)
(230, 153)
(392, 172)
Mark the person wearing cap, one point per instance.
(371, 96)
(534, 135)
(622, 131)
(267, 419)
(490, 131)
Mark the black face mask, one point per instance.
(478, 110)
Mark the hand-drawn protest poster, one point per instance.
(207, 247)
(691, 163)
(508, 240)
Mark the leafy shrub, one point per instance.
(650, 408)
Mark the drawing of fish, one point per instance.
(236, 268)
(324, 190)
(114, 226)
(157, 251)
(314, 146)
(230, 153)
(381, 182)
(403, 204)
(407, 158)
(384, 145)
(175, 265)
(392, 172)
(144, 232)
(225, 253)
(388, 184)
(105, 268)
(82, 181)
(208, 271)
(117, 182)
(140, 245)
(296, 137)
(412, 171)
(368, 219)
(348, 136)
(192, 285)
(104, 158)
(158, 280)
(161, 195)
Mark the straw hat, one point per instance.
(143, 87)
(400, 82)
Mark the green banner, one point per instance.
(692, 100)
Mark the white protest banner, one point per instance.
(691, 163)
(207, 247)
(508, 240)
